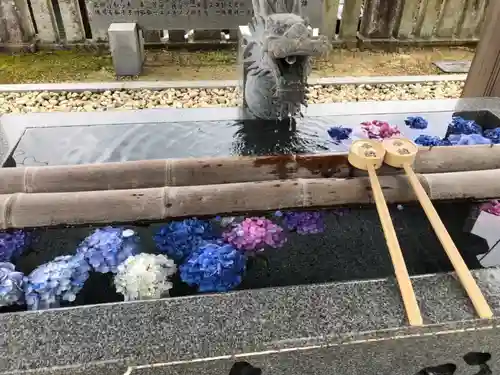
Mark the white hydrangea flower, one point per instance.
(144, 276)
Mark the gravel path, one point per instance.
(226, 97)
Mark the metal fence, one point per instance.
(73, 22)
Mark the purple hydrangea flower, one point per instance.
(416, 122)
(377, 129)
(431, 140)
(179, 239)
(56, 281)
(492, 207)
(305, 222)
(468, 139)
(13, 243)
(214, 267)
(254, 234)
(339, 134)
(11, 285)
(107, 247)
(460, 125)
(493, 134)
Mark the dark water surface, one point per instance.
(142, 141)
(351, 248)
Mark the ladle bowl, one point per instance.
(399, 151)
(365, 153)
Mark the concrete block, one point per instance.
(126, 43)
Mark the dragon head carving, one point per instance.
(277, 57)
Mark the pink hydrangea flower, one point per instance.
(254, 234)
(492, 207)
(379, 129)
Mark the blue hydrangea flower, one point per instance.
(468, 139)
(460, 125)
(56, 281)
(416, 122)
(107, 247)
(305, 222)
(493, 134)
(339, 133)
(431, 140)
(214, 267)
(13, 243)
(179, 239)
(11, 285)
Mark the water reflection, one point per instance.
(142, 141)
(271, 137)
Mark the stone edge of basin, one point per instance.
(248, 321)
(213, 84)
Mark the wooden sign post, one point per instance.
(484, 75)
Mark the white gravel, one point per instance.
(225, 97)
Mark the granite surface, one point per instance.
(352, 327)
(207, 326)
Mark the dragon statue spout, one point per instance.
(277, 59)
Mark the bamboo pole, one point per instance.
(208, 171)
(22, 210)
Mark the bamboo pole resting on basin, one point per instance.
(401, 153)
(100, 207)
(369, 155)
(211, 171)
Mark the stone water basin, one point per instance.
(335, 287)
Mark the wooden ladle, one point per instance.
(401, 153)
(369, 155)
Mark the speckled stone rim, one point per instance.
(213, 84)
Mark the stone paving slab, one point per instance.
(454, 66)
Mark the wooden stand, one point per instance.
(484, 75)
(401, 153)
(368, 155)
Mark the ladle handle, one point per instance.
(404, 282)
(463, 273)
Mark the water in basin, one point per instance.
(349, 246)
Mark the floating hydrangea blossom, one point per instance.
(339, 133)
(493, 134)
(492, 207)
(431, 140)
(145, 276)
(13, 243)
(379, 129)
(460, 125)
(11, 285)
(254, 234)
(178, 239)
(105, 248)
(468, 139)
(214, 267)
(305, 222)
(416, 122)
(56, 281)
